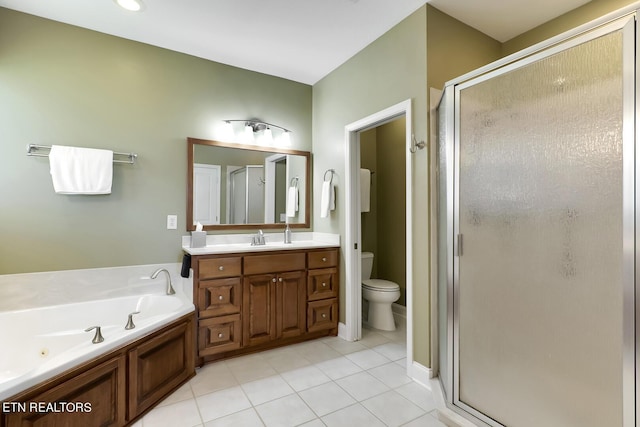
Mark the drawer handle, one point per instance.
(220, 297)
(324, 259)
(324, 315)
(324, 284)
(220, 335)
(221, 268)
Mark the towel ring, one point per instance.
(294, 182)
(332, 172)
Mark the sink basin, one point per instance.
(274, 242)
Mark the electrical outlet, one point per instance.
(172, 222)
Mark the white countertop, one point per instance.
(238, 243)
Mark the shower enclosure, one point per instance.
(246, 195)
(536, 234)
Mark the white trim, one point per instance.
(342, 331)
(420, 374)
(353, 293)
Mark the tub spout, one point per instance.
(170, 290)
(130, 324)
(97, 338)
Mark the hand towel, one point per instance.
(77, 170)
(327, 199)
(292, 201)
(365, 190)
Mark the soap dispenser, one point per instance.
(287, 234)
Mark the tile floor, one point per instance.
(325, 382)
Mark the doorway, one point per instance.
(353, 239)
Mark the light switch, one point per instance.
(172, 222)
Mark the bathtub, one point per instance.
(41, 342)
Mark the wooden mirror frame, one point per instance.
(190, 158)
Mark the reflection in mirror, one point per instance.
(244, 186)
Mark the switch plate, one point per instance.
(172, 222)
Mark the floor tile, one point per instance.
(392, 408)
(212, 377)
(222, 403)
(183, 413)
(250, 368)
(326, 398)
(362, 385)
(246, 418)
(345, 347)
(285, 359)
(352, 416)
(315, 423)
(287, 411)
(425, 421)
(338, 368)
(419, 395)
(182, 393)
(392, 351)
(266, 389)
(391, 374)
(367, 359)
(317, 351)
(372, 339)
(304, 378)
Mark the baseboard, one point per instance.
(399, 310)
(446, 415)
(342, 331)
(421, 374)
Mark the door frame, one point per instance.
(353, 243)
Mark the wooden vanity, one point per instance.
(252, 301)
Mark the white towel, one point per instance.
(327, 200)
(365, 190)
(77, 170)
(292, 201)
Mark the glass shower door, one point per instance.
(544, 188)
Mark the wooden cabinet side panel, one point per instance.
(159, 365)
(103, 388)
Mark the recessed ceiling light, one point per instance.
(131, 5)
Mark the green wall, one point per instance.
(590, 11)
(66, 85)
(390, 70)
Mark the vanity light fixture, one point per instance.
(130, 5)
(265, 137)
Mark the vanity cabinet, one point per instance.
(257, 300)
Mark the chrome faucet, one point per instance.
(97, 338)
(258, 239)
(170, 290)
(130, 324)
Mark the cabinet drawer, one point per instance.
(322, 314)
(274, 263)
(219, 334)
(219, 297)
(322, 283)
(322, 259)
(213, 268)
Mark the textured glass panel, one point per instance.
(443, 255)
(540, 287)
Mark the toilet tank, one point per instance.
(366, 264)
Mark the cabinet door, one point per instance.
(102, 387)
(258, 309)
(159, 365)
(291, 300)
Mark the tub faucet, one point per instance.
(97, 338)
(170, 290)
(130, 324)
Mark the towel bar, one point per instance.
(32, 150)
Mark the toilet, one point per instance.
(380, 294)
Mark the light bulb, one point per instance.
(131, 5)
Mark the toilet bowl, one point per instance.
(380, 294)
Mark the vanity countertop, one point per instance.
(239, 243)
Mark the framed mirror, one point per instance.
(235, 186)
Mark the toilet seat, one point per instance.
(380, 285)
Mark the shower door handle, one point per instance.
(459, 245)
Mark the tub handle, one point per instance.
(97, 338)
(130, 324)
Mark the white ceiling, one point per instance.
(300, 40)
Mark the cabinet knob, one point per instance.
(324, 284)
(273, 280)
(324, 315)
(220, 297)
(221, 268)
(324, 259)
(220, 335)
(280, 279)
